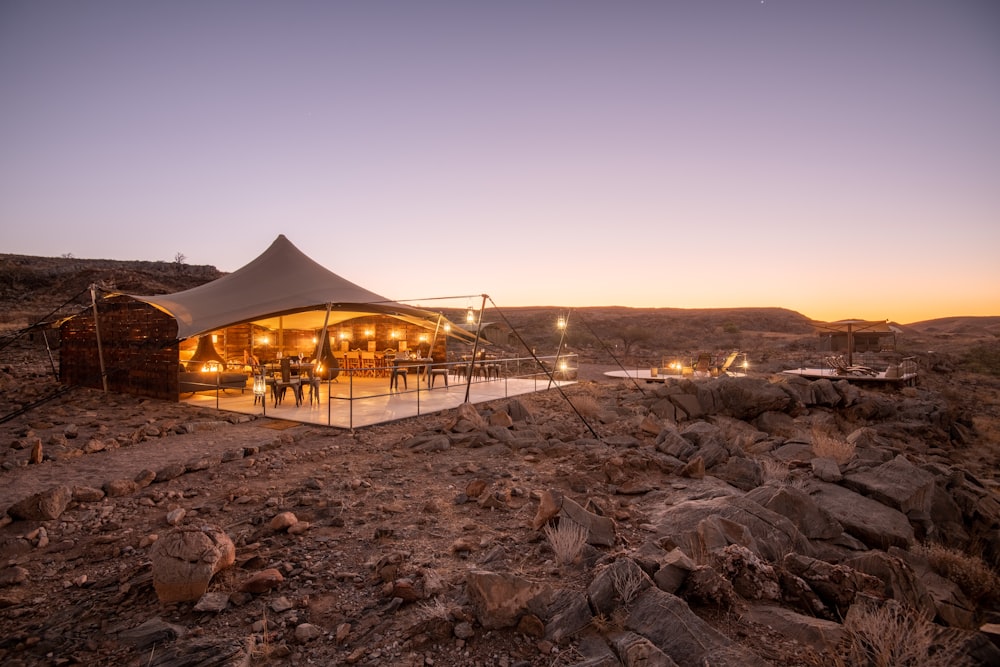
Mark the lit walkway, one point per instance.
(363, 401)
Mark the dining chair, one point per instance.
(396, 371)
(283, 380)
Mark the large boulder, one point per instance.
(501, 599)
(185, 560)
(818, 633)
(668, 622)
(836, 585)
(773, 535)
(636, 651)
(741, 398)
(899, 580)
(616, 586)
(897, 483)
(42, 506)
(743, 473)
(875, 524)
(600, 529)
(811, 520)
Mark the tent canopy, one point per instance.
(282, 286)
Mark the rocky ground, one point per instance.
(730, 521)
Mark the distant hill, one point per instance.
(36, 288)
(31, 288)
(959, 326)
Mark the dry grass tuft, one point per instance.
(885, 634)
(261, 649)
(627, 582)
(605, 625)
(586, 406)
(970, 573)
(772, 470)
(826, 446)
(566, 539)
(436, 609)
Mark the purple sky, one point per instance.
(838, 158)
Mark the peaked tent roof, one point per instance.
(281, 283)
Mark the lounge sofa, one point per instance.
(192, 381)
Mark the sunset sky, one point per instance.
(838, 158)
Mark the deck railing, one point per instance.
(543, 371)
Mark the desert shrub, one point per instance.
(984, 358)
(968, 572)
(884, 633)
(627, 583)
(566, 539)
(827, 446)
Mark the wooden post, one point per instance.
(97, 334)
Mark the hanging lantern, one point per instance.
(470, 316)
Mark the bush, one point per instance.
(827, 446)
(566, 539)
(883, 633)
(968, 572)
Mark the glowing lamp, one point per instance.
(561, 323)
(470, 316)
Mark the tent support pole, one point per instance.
(48, 350)
(475, 349)
(97, 332)
(434, 339)
(320, 343)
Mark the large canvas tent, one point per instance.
(134, 341)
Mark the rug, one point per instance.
(280, 424)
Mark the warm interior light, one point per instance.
(563, 365)
(368, 333)
(392, 334)
(343, 335)
(265, 340)
(423, 338)
(447, 327)
(215, 338)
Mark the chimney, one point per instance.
(205, 354)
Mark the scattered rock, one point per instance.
(185, 560)
(43, 506)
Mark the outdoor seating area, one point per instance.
(701, 366)
(359, 398)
